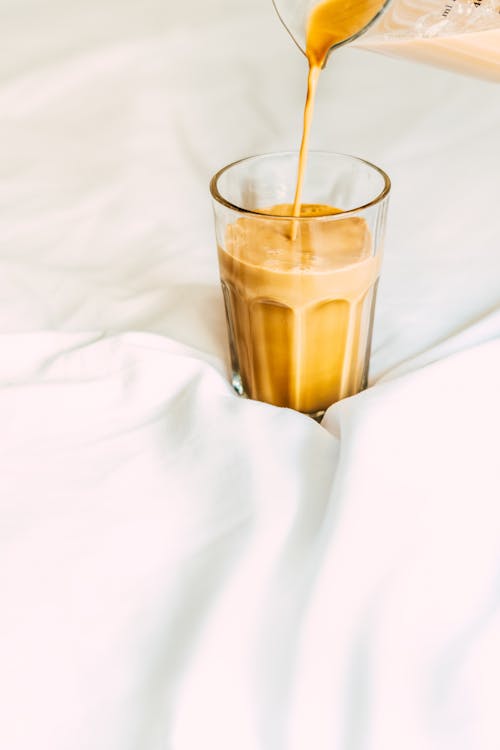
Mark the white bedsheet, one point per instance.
(182, 568)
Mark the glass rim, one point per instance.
(216, 195)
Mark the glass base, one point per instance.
(238, 387)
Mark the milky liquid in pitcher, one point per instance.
(300, 295)
(458, 35)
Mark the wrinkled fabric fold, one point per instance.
(181, 568)
(170, 551)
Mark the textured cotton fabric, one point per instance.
(182, 568)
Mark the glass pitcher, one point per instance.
(458, 35)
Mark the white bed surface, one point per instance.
(182, 568)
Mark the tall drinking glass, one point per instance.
(300, 293)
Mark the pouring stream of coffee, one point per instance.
(330, 23)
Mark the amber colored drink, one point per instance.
(300, 310)
(330, 22)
